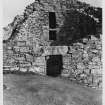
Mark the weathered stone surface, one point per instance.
(9, 48)
(39, 61)
(7, 32)
(45, 33)
(87, 71)
(21, 43)
(37, 69)
(31, 44)
(6, 68)
(72, 67)
(23, 69)
(66, 73)
(97, 81)
(97, 70)
(61, 50)
(9, 51)
(20, 58)
(14, 69)
(25, 64)
(29, 58)
(80, 66)
(16, 48)
(24, 49)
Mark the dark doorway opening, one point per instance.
(52, 35)
(52, 20)
(54, 65)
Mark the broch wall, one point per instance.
(82, 63)
(31, 44)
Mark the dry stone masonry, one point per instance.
(28, 49)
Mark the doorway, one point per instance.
(54, 65)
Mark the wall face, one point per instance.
(27, 51)
(82, 63)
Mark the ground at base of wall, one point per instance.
(81, 81)
(40, 90)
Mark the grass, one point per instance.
(32, 89)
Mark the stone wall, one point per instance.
(20, 56)
(27, 50)
(84, 62)
(81, 62)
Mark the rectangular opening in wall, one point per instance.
(52, 35)
(52, 20)
(54, 65)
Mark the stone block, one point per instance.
(21, 43)
(65, 66)
(29, 58)
(14, 68)
(39, 61)
(67, 60)
(6, 63)
(20, 58)
(96, 59)
(65, 73)
(85, 40)
(93, 45)
(62, 50)
(80, 66)
(83, 75)
(67, 56)
(10, 60)
(94, 65)
(48, 51)
(85, 54)
(97, 80)
(9, 48)
(94, 51)
(23, 69)
(37, 69)
(90, 79)
(85, 81)
(99, 47)
(76, 46)
(5, 55)
(93, 38)
(16, 48)
(25, 64)
(100, 85)
(45, 33)
(87, 71)
(96, 70)
(76, 54)
(80, 45)
(78, 71)
(24, 49)
(6, 68)
(9, 51)
(16, 55)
